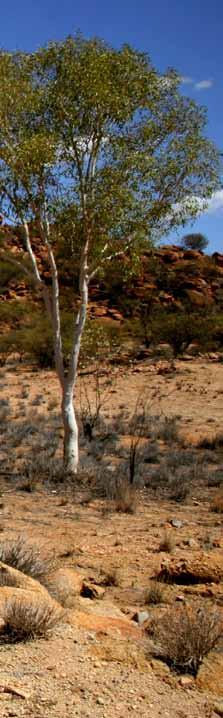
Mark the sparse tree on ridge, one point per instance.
(195, 240)
(98, 136)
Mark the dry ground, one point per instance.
(99, 662)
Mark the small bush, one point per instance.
(182, 457)
(155, 594)
(168, 430)
(216, 478)
(7, 579)
(180, 329)
(25, 622)
(20, 431)
(100, 342)
(183, 637)
(167, 543)
(151, 453)
(125, 498)
(211, 442)
(179, 487)
(111, 578)
(159, 478)
(4, 415)
(28, 485)
(24, 557)
(217, 503)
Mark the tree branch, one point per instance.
(120, 253)
(81, 317)
(31, 254)
(55, 303)
(16, 263)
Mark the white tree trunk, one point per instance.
(71, 451)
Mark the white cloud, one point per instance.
(215, 203)
(186, 80)
(203, 85)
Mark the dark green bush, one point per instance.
(181, 329)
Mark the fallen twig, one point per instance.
(14, 691)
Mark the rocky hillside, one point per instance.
(169, 276)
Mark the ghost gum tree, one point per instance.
(94, 139)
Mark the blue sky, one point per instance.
(184, 35)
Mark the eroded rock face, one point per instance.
(24, 596)
(109, 625)
(169, 274)
(198, 298)
(201, 568)
(65, 584)
(210, 674)
(11, 577)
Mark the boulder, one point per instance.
(11, 577)
(91, 590)
(199, 299)
(200, 568)
(169, 256)
(192, 254)
(210, 674)
(65, 584)
(26, 598)
(108, 625)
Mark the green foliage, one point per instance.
(179, 329)
(14, 312)
(7, 272)
(35, 340)
(101, 341)
(195, 241)
(104, 154)
(130, 147)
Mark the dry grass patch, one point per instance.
(125, 500)
(155, 594)
(111, 578)
(217, 503)
(184, 636)
(167, 543)
(24, 622)
(25, 557)
(211, 442)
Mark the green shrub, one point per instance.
(7, 273)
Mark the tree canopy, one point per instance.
(195, 241)
(100, 153)
(98, 138)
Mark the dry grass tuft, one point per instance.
(167, 543)
(21, 555)
(169, 429)
(211, 442)
(155, 593)
(25, 622)
(183, 637)
(111, 578)
(217, 503)
(125, 500)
